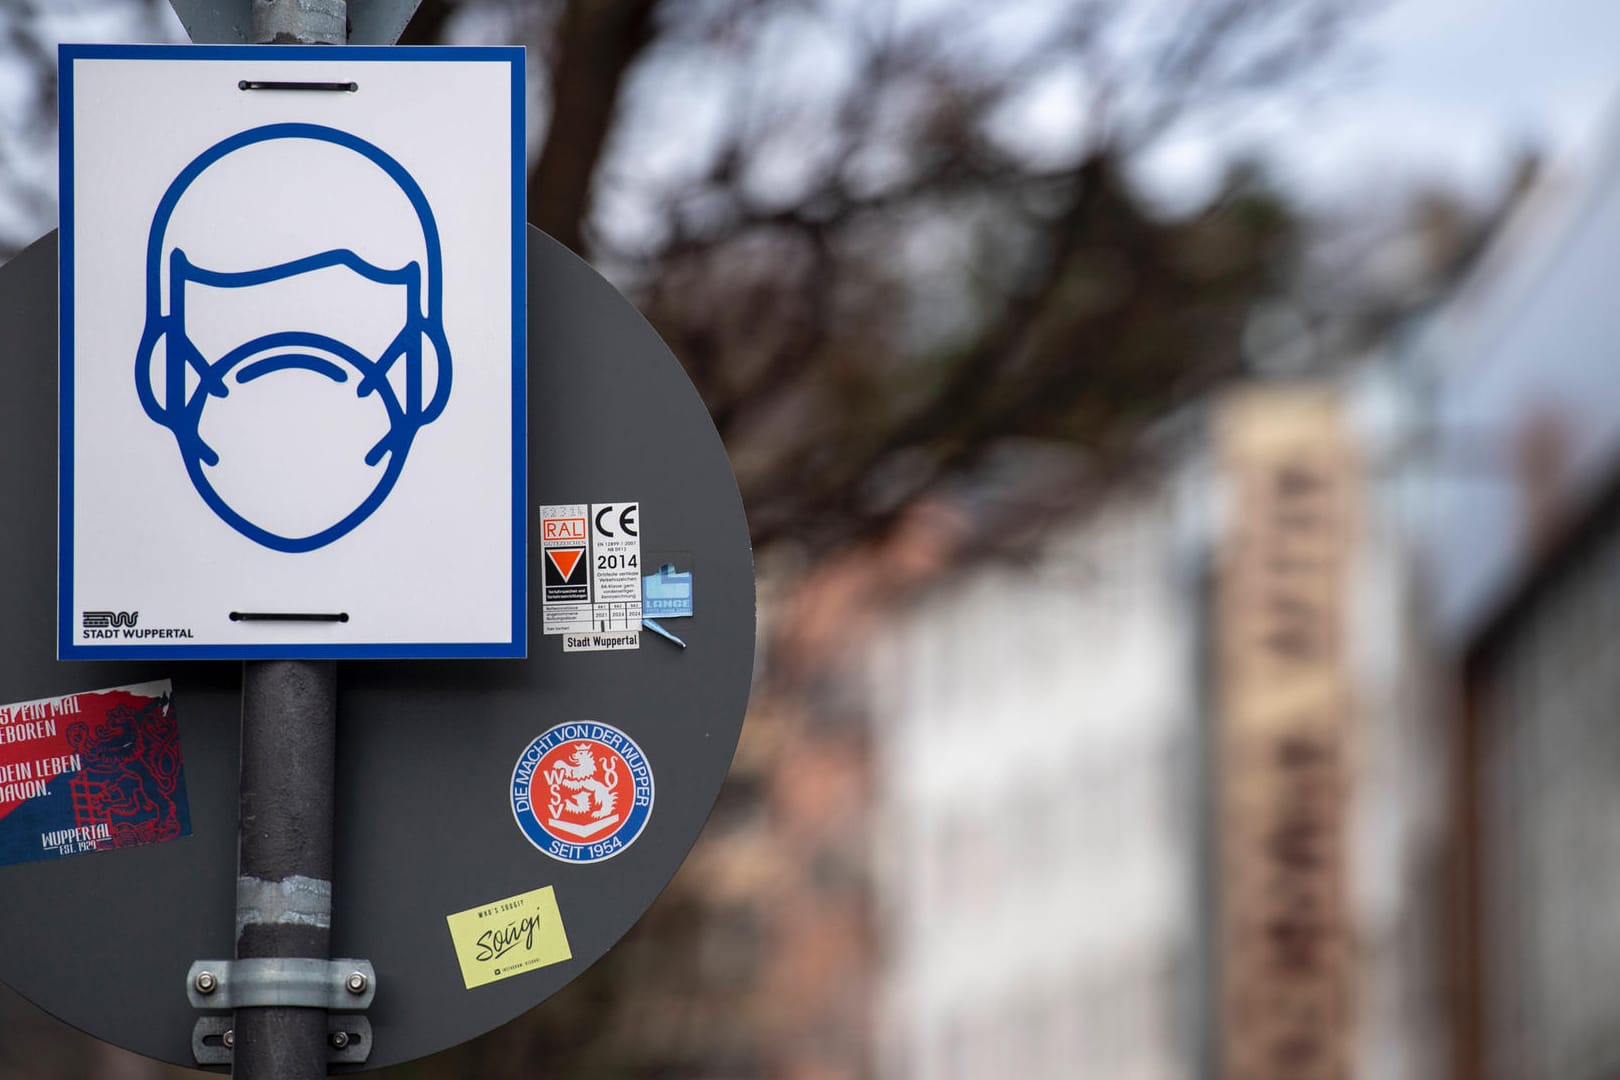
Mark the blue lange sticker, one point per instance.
(90, 772)
(666, 594)
(582, 792)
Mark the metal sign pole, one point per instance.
(284, 861)
(289, 737)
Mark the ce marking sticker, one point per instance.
(617, 521)
(591, 555)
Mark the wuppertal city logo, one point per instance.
(101, 625)
(107, 620)
(294, 348)
(582, 793)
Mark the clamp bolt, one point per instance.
(339, 1040)
(229, 1038)
(207, 982)
(356, 982)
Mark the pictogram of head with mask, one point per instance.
(294, 342)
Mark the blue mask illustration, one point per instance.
(294, 344)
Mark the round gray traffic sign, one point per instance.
(443, 796)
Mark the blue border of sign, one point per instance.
(517, 646)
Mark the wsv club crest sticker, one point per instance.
(582, 792)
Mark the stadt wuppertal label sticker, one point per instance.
(509, 937)
(90, 772)
(582, 792)
(591, 564)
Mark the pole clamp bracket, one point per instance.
(341, 987)
(348, 1040)
(293, 981)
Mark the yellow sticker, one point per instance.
(511, 936)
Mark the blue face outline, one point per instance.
(183, 415)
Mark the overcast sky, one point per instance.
(1430, 89)
(1443, 88)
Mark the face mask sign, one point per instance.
(264, 489)
(294, 340)
(288, 406)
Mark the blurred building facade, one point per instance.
(1524, 462)
(1075, 868)
(1282, 734)
(1539, 821)
(1332, 761)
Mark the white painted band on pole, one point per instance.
(297, 901)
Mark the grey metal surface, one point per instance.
(230, 22)
(379, 22)
(304, 982)
(425, 749)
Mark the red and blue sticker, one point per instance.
(90, 772)
(582, 792)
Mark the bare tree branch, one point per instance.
(596, 45)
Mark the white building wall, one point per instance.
(1036, 842)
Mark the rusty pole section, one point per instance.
(289, 736)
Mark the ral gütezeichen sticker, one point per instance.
(90, 772)
(582, 792)
(509, 937)
(591, 568)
